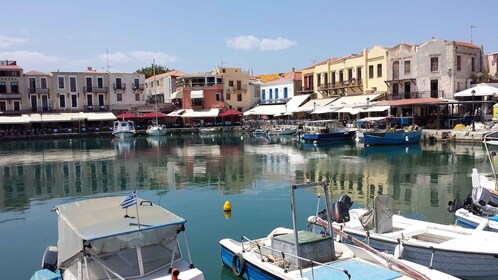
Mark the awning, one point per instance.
(202, 113)
(177, 95)
(375, 109)
(196, 94)
(176, 113)
(14, 119)
(47, 118)
(296, 101)
(313, 104)
(269, 110)
(362, 99)
(99, 116)
(479, 90)
(409, 102)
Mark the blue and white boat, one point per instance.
(124, 129)
(395, 131)
(99, 240)
(326, 130)
(293, 254)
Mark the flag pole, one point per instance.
(136, 205)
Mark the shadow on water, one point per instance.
(393, 151)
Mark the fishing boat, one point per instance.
(480, 221)
(155, 129)
(461, 252)
(98, 239)
(488, 181)
(396, 131)
(259, 132)
(280, 131)
(123, 129)
(294, 254)
(326, 130)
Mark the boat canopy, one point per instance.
(100, 224)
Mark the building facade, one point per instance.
(11, 87)
(126, 92)
(283, 89)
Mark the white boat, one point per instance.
(488, 181)
(282, 131)
(461, 252)
(99, 240)
(208, 130)
(155, 129)
(468, 219)
(291, 254)
(124, 129)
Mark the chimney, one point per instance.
(89, 68)
(293, 69)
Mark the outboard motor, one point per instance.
(339, 211)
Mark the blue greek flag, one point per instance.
(130, 200)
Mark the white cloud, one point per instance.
(27, 57)
(142, 56)
(6, 42)
(249, 43)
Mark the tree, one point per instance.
(149, 71)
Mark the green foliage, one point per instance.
(149, 71)
(483, 77)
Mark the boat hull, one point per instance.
(466, 219)
(333, 136)
(123, 134)
(392, 138)
(156, 131)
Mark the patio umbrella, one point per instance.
(152, 115)
(230, 113)
(479, 90)
(127, 115)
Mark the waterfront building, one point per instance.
(127, 91)
(236, 88)
(39, 98)
(159, 88)
(283, 89)
(491, 64)
(11, 87)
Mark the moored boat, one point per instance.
(393, 131)
(326, 130)
(123, 129)
(299, 254)
(156, 130)
(99, 240)
(461, 252)
(282, 131)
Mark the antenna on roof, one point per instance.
(108, 66)
(471, 28)
(313, 60)
(223, 63)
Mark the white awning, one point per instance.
(196, 94)
(61, 117)
(176, 113)
(296, 101)
(14, 119)
(479, 90)
(375, 109)
(99, 116)
(313, 104)
(355, 100)
(324, 110)
(268, 110)
(202, 113)
(177, 95)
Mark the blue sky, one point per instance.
(196, 36)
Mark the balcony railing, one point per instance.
(119, 86)
(41, 109)
(339, 84)
(417, 94)
(96, 108)
(137, 86)
(39, 90)
(95, 89)
(200, 85)
(10, 96)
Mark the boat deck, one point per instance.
(357, 268)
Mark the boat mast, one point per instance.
(155, 86)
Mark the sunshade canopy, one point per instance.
(231, 112)
(128, 115)
(479, 90)
(154, 115)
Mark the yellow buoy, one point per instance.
(227, 214)
(227, 207)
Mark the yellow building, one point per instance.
(351, 75)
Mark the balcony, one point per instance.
(96, 108)
(119, 86)
(41, 109)
(200, 85)
(308, 89)
(417, 94)
(137, 86)
(95, 89)
(39, 90)
(10, 96)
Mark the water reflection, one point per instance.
(421, 178)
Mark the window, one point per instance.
(62, 101)
(271, 94)
(350, 74)
(379, 70)
(43, 83)
(14, 87)
(100, 82)
(136, 84)
(72, 84)
(239, 109)
(3, 106)
(434, 64)
(459, 63)
(157, 83)
(119, 97)
(286, 94)
(263, 95)
(473, 65)
(407, 67)
(239, 97)
(17, 106)
(358, 74)
(74, 101)
(370, 72)
(89, 84)
(276, 93)
(341, 76)
(60, 81)
(217, 97)
(230, 83)
(118, 84)
(32, 85)
(227, 96)
(3, 87)
(137, 97)
(239, 85)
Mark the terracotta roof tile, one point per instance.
(36, 73)
(167, 74)
(468, 45)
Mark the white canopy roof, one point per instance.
(196, 94)
(354, 100)
(14, 119)
(269, 110)
(479, 90)
(176, 113)
(201, 113)
(177, 95)
(375, 109)
(99, 116)
(314, 104)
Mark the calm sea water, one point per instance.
(194, 175)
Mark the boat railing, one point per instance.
(312, 263)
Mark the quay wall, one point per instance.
(453, 135)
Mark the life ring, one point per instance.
(238, 258)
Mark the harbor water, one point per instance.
(193, 176)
